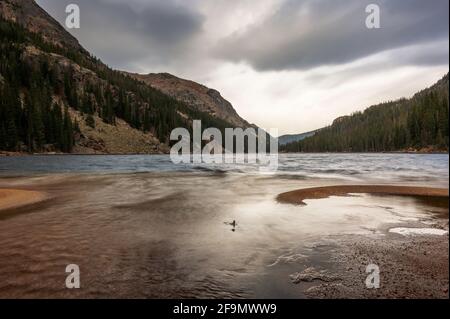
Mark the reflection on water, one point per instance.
(169, 234)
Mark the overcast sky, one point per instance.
(294, 65)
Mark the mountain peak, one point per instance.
(197, 96)
(32, 17)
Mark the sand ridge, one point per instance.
(13, 198)
(298, 196)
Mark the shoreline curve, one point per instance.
(298, 196)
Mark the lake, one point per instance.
(140, 226)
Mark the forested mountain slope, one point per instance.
(416, 124)
(55, 96)
(195, 95)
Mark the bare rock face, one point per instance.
(120, 138)
(195, 95)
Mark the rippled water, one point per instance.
(383, 167)
(139, 226)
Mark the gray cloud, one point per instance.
(311, 33)
(299, 34)
(123, 32)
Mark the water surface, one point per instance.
(140, 226)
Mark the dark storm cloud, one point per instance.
(297, 35)
(311, 33)
(158, 20)
(121, 31)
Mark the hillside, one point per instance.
(58, 97)
(290, 138)
(35, 19)
(197, 96)
(416, 124)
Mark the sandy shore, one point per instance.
(297, 197)
(414, 267)
(13, 198)
(410, 266)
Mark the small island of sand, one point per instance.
(298, 196)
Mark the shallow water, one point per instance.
(164, 232)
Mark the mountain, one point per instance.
(56, 96)
(416, 124)
(35, 19)
(197, 96)
(290, 138)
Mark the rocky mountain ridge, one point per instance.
(138, 111)
(196, 95)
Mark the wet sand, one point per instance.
(410, 267)
(336, 266)
(297, 197)
(14, 198)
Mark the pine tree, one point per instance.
(67, 141)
